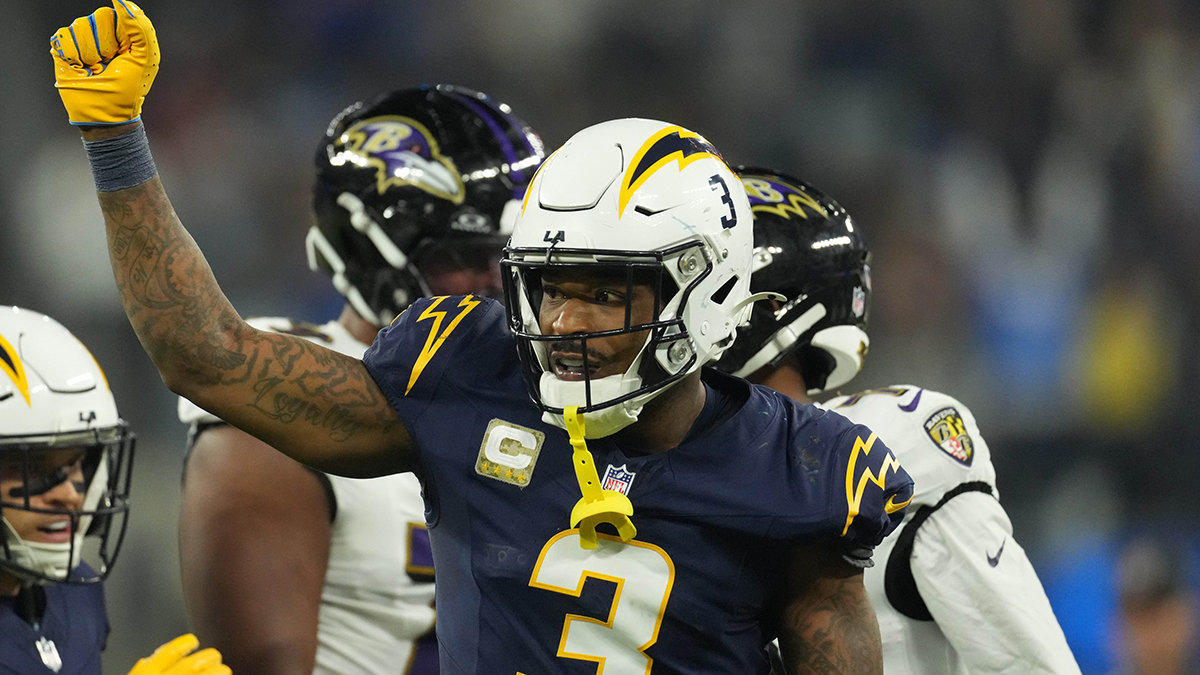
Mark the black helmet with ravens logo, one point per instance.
(417, 185)
(806, 248)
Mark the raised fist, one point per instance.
(104, 64)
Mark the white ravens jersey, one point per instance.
(378, 594)
(965, 598)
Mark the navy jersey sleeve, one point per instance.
(870, 491)
(435, 339)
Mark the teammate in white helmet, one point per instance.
(358, 595)
(594, 498)
(65, 463)
(953, 591)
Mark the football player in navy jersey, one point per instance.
(357, 599)
(595, 500)
(65, 463)
(953, 592)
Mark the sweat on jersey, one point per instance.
(715, 516)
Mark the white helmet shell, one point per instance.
(54, 394)
(636, 191)
(49, 382)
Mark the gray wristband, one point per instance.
(121, 161)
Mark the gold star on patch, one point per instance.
(862, 350)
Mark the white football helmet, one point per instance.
(53, 395)
(652, 199)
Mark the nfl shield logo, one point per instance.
(859, 303)
(49, 654)
(618, 479)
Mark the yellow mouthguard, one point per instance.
(597, 505)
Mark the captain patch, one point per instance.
(509, 452)
(948, 430)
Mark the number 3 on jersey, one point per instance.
(644, 575)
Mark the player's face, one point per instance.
(574, 302)
(462, 267)
(55, 482)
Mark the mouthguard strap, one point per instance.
(597, 505)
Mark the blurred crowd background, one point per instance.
(1027, 172)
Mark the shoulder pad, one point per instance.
(934, 435)
(411, 355)
(275, 324)
(190, 413)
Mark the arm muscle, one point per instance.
(320, 407)
(254, 545)
(828, 626)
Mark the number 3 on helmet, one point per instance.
(658, 203)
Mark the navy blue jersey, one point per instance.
(693, 591)
(75, 622)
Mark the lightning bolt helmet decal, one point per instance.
(10, 363)
(669, 144)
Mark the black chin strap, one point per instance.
(30, 605)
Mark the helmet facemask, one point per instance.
(33, 466)
(666, 354)
(638, 197)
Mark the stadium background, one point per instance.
(1028, 174)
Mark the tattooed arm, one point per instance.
(319, 407)
(827, 624)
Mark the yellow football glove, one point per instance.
(104, 64)
(172, 659)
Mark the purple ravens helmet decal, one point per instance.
(768, 194)
(403, 152)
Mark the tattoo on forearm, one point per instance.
(190, 329)
(832, 632)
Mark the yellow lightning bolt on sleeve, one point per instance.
(597, 505)
(435, 340)
(854, 493)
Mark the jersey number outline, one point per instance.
(644, 575)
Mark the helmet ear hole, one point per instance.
(815, 365)
(721, 293)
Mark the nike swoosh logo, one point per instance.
(913, 404)
(993, 561)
